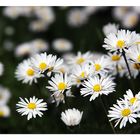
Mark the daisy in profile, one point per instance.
(134, 53)
(131, 98)
(79, 74)
(110, 28)
(1, 69)
(4, 111)
(62, 45)
(4, 95)
(77, 17)
(26, 73)
(122, 113)
(31, 107)
(71, 117)
(59, 83)
(80, 58)
(121, 40)
(97, 85)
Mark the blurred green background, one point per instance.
(88, 37)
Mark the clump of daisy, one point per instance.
(26, 73)
(71, 117)
(62, 45)
(31, 107)
(110, 28)
(59, 83)
(97, 85)
(120, 41)
(1, 69)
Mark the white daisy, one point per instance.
(97, 85)
(80, 58)
(80, 73)
(77, 17)
(4, 95)
(131, 97)
(122, 40)
(110, 28)
(31, 107)
(26, 73)
(130, 20)
(1, 69)
(122, 113)
(59, 83)
(4, 111)
(71, 117)
(134, 53)
(62, 45)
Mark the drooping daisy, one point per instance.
(26, 73)
(120, 41)
(131, 97)
(31, 107)
(1, 69)
(122, 113)
(110, 28)
(130, 20)
(96, 86)
(80, 58)
(4, 95)
(77, 17)
(134, 53)
(62, 45)
(80, 73)
(71, 117)
(4, 111)
(59, 83)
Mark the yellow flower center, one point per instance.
(1, 113)
(97, 88)
(82, 75)
(136, 66)
(97, 67)
(120, 44)
(50, 68)
(80, 60)
(115, 57)
(133, 20)
(42, 66)
(132, 100)
(30, 72)
(138, 58)
(62, 86)
(126, 112)
(78, 81)
(31, 106)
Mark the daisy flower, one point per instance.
(110, 28)
(131, 97)
(80, 58)
(134, 53)
(97, 85)
(1, 69)
(121, 40)
(31, 107)
(80, 73)
(77, 17)
(26, 73)
(4, 95)
(59, 83)
(4, 111)
(62, 45)
(122, 113)
(71, 117)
